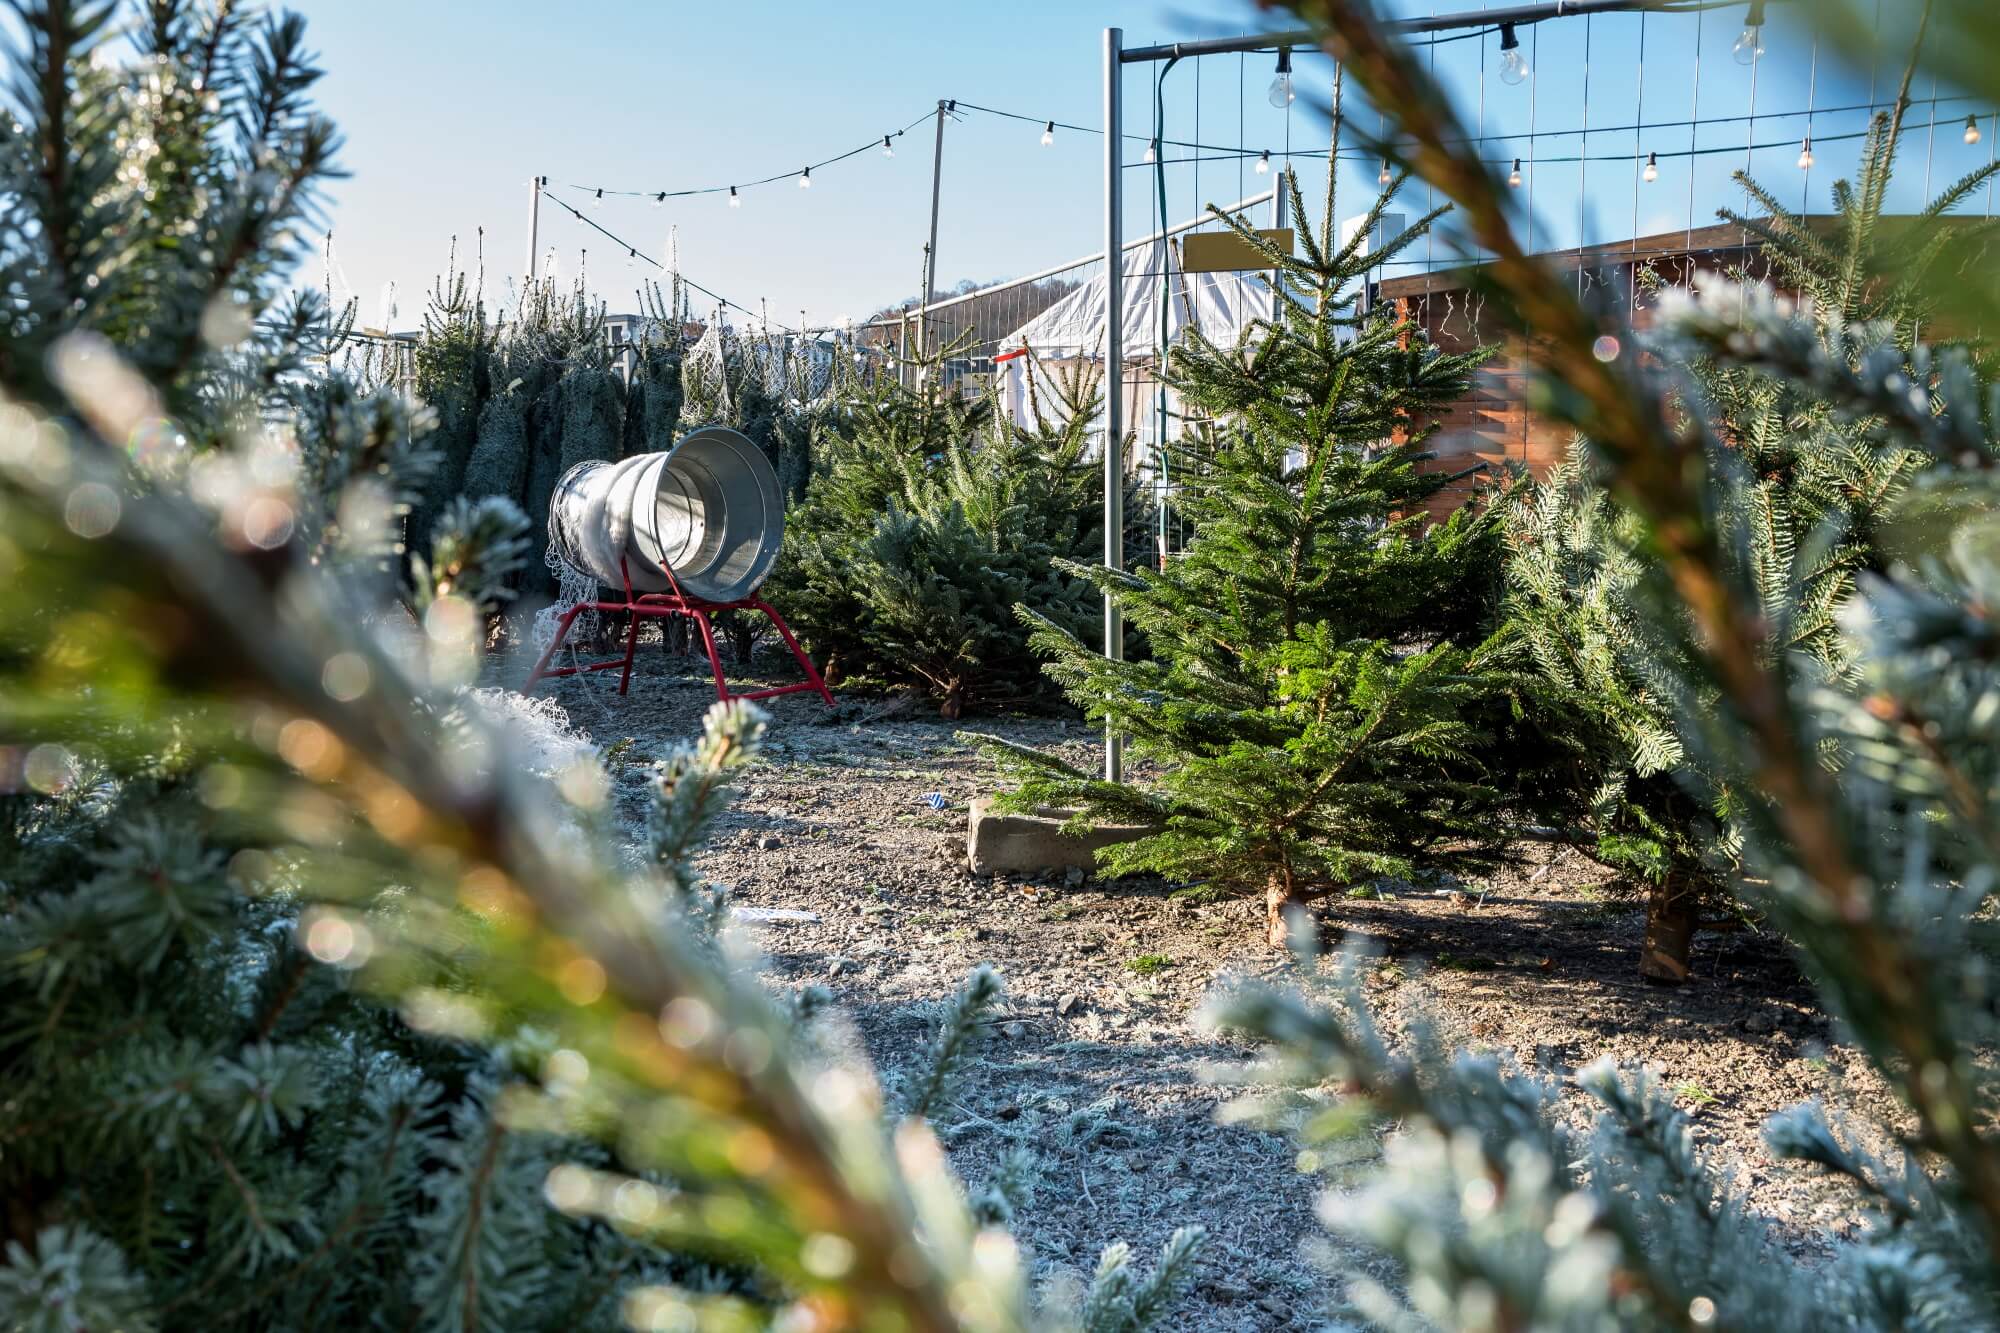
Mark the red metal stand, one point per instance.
(664, 605)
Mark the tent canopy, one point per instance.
(1221, 305)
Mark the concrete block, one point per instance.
(997, 842)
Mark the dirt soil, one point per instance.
(1095, 1063)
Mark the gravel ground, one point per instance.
(1094, 1061)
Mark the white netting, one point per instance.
(540, 734)
(571, 588)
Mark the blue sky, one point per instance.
(450, 108)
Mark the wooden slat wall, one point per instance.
(1491, 423)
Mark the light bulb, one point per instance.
(734, 201)
(1513, 65)
(1750, 42)
(1264, 162)
(888, 149)
(1151, 155)
(1386, 176)
(1048, 134)
(1514, 176)
(1652, 172)
(598, 202)
(631, 258)
(1972, 129)
(660, 199)
(1281, 85)
(806, 179)
(1805, 155)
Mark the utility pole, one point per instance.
(534, 224)
(944, 108)
(1114, 369)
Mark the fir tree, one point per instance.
(930, 520)
(1316, 685)
(1863, 798)
(1808, 521)
(319, 1007)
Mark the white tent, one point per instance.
(1220, 305)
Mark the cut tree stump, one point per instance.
(1000, 843)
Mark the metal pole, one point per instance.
(930, 251)
(534, 224)
(1114, 371)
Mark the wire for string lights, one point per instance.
(634, 255)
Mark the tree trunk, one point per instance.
(1671, 918)
(1278, 897)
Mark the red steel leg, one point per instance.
(631, 647)
(714, 659)
(805, 663)
(562, 632)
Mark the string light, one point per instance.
(1514, 176)
(631, 257)
(1152, 156)
(1972, 129)
(735, 200)
(1750, 42)
(888, 149)
(806, 179)
(1805, 155)
(1652, 172)
(1513, 65)
(1281, 93)
(1264, 162)
(1048, 134)
(1386, 176)
(598, 202)
(660, 199)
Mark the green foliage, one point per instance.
(1317, 688)
(320, 1006)
(1862, 792)
(1818, 480)
(929, 521)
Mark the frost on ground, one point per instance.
(1094, 1061)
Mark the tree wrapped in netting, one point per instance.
(1865, 800)
(1318, 690)
(931, 517)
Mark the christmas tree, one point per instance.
(1318, 686)
(1879, 865)
(323, 1002)
(929, 520)
(1808, 521)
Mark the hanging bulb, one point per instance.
(1514, 176)
(1386, 176)
(598, 202)
(1972, 129)
(1750, 42)
(806, 179)
(1805, 155)
(1048, 134)
(1652, 172)
(1513, 65)
(1281, 85)
(631, 258)
(1264, 162)
(734, 201)
(1151, 155)
(888, 149)
(660, 199)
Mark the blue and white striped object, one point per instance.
(935, 800)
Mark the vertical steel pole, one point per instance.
(930, 251)
(1114, 370)
(534, 225)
